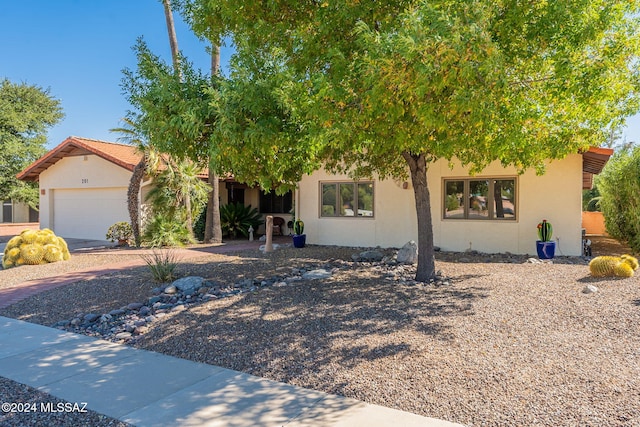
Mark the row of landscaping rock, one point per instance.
(129, 322)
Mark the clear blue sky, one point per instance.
(77, 49)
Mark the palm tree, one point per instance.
(175, 56)
(176, 183)
(173, 39)
(148, 163)
(213, 227)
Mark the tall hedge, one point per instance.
(619, 186)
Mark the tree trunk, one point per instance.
(173, 39)
(133, 200)
(426, 260)
(215, 60)
(212, 228)
(187, 207)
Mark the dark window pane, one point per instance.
(454, 199)
(272, 203)
(347, 199)
(504, 196)
(478, 199)
(329, 199)
(365, 199)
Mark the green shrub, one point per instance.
(619, 186)
(161, 264)
(452, 202)
(120, 231)
(237, 218)
(163, 230)
(591, 200)
(199, 225)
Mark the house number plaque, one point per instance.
(85, 180)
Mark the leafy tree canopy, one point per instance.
(173, 109)
(26, 111)
(371, 87)
(479, 80)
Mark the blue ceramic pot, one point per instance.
(299, 240)
(546, 250)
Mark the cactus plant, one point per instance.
(610, 266)
(299, 239)
(545, 231)
(32, 253)
(623, 269)
(34, 247)
(603, 266)
(633, 262)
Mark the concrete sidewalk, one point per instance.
(150, 389)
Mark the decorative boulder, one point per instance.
(408, 254)
(188, 284)
(320, 273)
(370, 256)
(33, 247)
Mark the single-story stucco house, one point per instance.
(83, 190)
(494, 211)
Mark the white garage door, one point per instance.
(88, 213)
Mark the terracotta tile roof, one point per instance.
(122, 155)
(126, 156)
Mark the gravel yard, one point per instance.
(504, 343)
(78, 261)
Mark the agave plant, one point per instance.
(236, 217)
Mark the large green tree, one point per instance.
(388, 87)
(26, 112)
(173, 108)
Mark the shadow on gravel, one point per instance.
(591, 279)
(503, 258)
(298, 330)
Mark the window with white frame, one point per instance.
(346, 199)
(480, 198)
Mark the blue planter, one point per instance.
(299, 240)
(546, 250)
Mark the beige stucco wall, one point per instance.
(393, 225)
(555, 196)
(20, 212)
(82, 172)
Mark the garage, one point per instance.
(88, 213)
(83, 186)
